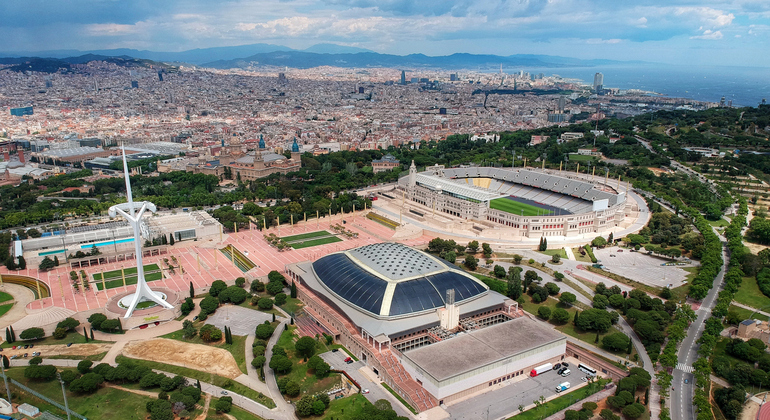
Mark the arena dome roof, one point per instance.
(392, 280)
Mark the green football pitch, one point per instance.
(514, 207)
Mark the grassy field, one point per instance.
(306, 236)
(113, 279)
(73, 337)
(514, 207)
(574, 157)
(718, 223)
(749, 294)
(292, 305)
(94, 357)
(237, 349)
(219, 381)
(315, 242)
(746, 313)
(97, 406)
(308, 383)
(560, 403)
(551, 252)
(5, 308)
(581, 258)
(5, 297)
(351, 407)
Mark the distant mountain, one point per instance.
(304, 59)
(54, 65)
(335, 49)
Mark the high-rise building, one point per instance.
(160, 75)
(562, 103)
(282, 78)
(403, 77)
(453, 77)
(598, 82)
(134, 84)
(48, 83)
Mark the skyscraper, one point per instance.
(403, 77)
(160, 75)
(598, 82)
(562, 103)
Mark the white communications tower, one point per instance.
(133, 213)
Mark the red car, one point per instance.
(348, 360)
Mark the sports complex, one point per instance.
(526, 203)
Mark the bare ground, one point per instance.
(63, 350)
(750, 410)
(194, 356)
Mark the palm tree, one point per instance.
(521, 408)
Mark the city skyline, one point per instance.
(677, 32)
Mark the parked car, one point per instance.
(26, 354)
(366, 391)
(31, 345)
(557, 366)
(69, 344)
(348, 359)
(224, 392)
(335, 350)
(26, 346)
(564, 364)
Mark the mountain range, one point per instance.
(243, 56)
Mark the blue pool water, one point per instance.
(43, 254)
(119, 241)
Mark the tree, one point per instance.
(224, 405)
(552, 288)
(451, 256)
(544, 312)
(233, 294)
(171, 239)
(567, 298)
(555, 258)
(84, 366)
(258, 361)
(216, 287)
(305, 346)
(473, 246)
(8, 335)
(600, 302)
(210, 333)
(188, 329)
(293, 291)
(187, 306)
(280, 298)
(87, 383)
(35, 360)
(280, 363)
(616, 342)
(109, 325)
(23, 263)
(240, 281)
(257, 286)
(305, 406)
(209, 305)
(634, 410)
(471, 263)
(274, 287)
(96, 320)
(59, 333)
(265, 303)
(560, 315)
(598, 242)
(499, 271)
(517, 259)
(45, 265)
(40, 372)
(264, 331)
(68, 324)
(33, 333)
(292, 388)
(192, 290)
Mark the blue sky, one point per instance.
(687, 32)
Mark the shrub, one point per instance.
(40, 372)
(216, 287)
(233, 294)
(224, 405)
(257, 286)
(68, 324)
(96, 320)
(280, 298)
(209, 305)
(240, 281)
(84, 366)
(305, 346)
(274, 287)
(36, 360)
(32, 334)
(265, 303)
(59, 333)
(187, 306)
(544, 312)
(560, 315)
(110, 325)
(264, 331)
(87, 383)
(258, 362)
(210, 333)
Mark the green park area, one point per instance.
(514, 207)
(306, 240)
(560, 403)
(307, 381)
(749, 294)
(113, 279)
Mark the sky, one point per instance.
(684, 32)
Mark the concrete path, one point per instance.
(740, 305)
(570, 254)
(251, 380)
(272, 381)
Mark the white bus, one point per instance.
(587, 370)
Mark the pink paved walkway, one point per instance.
(213, 263)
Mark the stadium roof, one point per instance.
(389, 280)
(470, 351)
(464, 191)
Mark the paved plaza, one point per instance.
(641, 267)
(242, 321)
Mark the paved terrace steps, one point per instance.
(401, 378)
(45, 317)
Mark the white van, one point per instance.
(566, 373)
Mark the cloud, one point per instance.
(603, 41)
(111, 29)
(709, 34)
(641, 22)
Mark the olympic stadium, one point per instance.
(431, 331)
(528, 203)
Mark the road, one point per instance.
(682, 407)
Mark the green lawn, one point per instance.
(514, 207)
(5, 297)
(219, 381)
(292, 305)
(235, 412)
(718, 223)
(247, 304)
(237, 349)
(551, 252)
(5, 308)
(306, 236)
(351, 407)
(574, 157)
(113, 279)
(94, 357)
(582, 258)
(560, 403)
(749, 294)
(308, 383)
(316, 242)
(73, 337)
(746, 313)
(97, 406)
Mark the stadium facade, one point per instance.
(548, 204)
(429, 330)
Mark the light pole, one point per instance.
(5, 379)
(64, 393)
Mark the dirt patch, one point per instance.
(657, 171)
(194, 356)
(754, 248)
(750, 410)
(63, 350)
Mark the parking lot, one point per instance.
(503, 399)
(242, 321)
(641, 267)
(376, 392)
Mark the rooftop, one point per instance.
(470, 351)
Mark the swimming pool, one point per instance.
(43, 254)
(119, 241)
